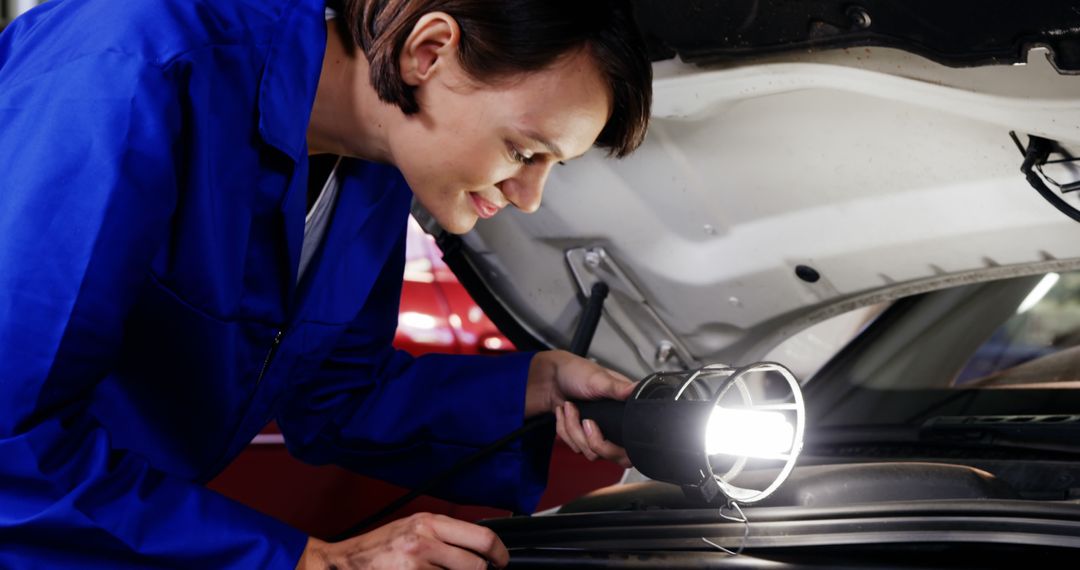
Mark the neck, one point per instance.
(348, 119)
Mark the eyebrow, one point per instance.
(539, 139)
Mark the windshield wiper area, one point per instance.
(1035, 436)
(1059, 433)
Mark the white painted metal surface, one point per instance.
(886, 173)
(16, 7)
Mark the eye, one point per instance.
(521, 157)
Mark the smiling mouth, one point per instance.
(484, 208)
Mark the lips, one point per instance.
(484, 208)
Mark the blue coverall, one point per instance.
(153, 170)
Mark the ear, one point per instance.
(432, 44)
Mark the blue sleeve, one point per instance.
(381, 412)
(87, 190)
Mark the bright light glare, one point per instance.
(1039, 292)
(750, 433)
(418, 321)
(419, 271)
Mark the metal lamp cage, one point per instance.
(734, 388)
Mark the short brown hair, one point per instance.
(500, 38)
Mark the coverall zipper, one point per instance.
(270, 355)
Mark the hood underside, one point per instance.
(775, 192)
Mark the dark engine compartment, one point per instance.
(818, 486)
(898, 514)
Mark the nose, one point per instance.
(526, 188)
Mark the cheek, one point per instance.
(467, 165)
(445, 155)
(478, 170)
(468, 150)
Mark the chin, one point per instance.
(457, 224)
(456, 217)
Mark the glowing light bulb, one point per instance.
(750, 433)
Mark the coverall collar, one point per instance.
(289, 81)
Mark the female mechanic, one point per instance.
(169, 283)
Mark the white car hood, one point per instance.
(883, 173)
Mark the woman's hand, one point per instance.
(556, 376)
(423, 540)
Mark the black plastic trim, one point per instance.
(958, 33)
(922, 556)
(555, 558)
(972, 521)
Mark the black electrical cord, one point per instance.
(453, 471)
(583, 335)
(1036, 153)
(590, 319)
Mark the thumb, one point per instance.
(620, 387)
(626, 390)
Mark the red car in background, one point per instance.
(436, 315)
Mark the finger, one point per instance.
(442, 555)
(601, 446)
(620, 387)
(423, 551)
(560, 429)
(610, 384)
(475, 538)
(575, 431)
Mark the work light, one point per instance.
(700, 429)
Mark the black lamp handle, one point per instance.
(608, 415)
